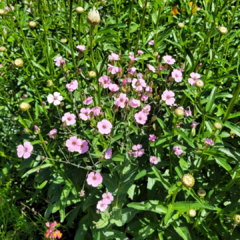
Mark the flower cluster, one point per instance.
(107, 198)
(75, 144)
(50, 233)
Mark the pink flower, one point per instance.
(146, 109)
(105, 80)
(194, 77)
(56, 98)
(29, 10)
(134, 103)
(168, 97)
(153, 160)
(124, 81)
(113, 87)
(83, 146)
(131, 56)
(73, 144)
(104, 126)
(108, 154)
(194, 124)
(177, 75)
(121, 100)
(140, 117)
(139, 151)
(138, 84)
(144, 97)
(69, 118)
(94, 179)
(151, 42)
(148, 89)
(73, 85)
(88, 101)
(59, 61)
(85, 114)
(178, 124)
(139, 75)
(178, 150)
(152, 138)
(132, 70)
(24, 150)
(102, 205)
(108, 197)
(112, 69)
(129, 80)
(151, 68)
(188, 112)
(96, 111)
(81, 47)
(53, 133)
(169, 60)
(208, 141)
(113, 57)
(140, 52)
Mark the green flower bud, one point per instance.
(179, 112)
(188, 180)
(79, 10)
(181, 25)
(32, 24)
(201, 193)
(237, 218)
(2, 49)
(18, 62)
(199, 83)
(24, 106)
(92, 74)
(49, 83)
(217, 125)
(192, 213)
(223, 30)
(64, 40)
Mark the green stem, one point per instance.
(175, 195)
(129, 24)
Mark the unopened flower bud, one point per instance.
(181, 25)
(42, 157)
(2, 49)
(26, 130)
(37, 130)
(14, 118)
(82, 193)
(93, 17)
(237, 218)
(49, 83)
(217, 125)
(92, 74)
(18, 62)
(155, 54)
(199, 83)
(223, 30)
(79, 10)
(88, 168)
(24, 106)
(32, 24)
(44, 104)
(64, 40)
(192, 213)
(179, 112)
(150, 84)
(153, 118)
(188, 180)
(2, 12)
(61, 104)
(201, 193)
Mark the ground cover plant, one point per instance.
(119, 119)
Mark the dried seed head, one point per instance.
(199, 83)
(32, 24)
(79, 10)
(217, 125)
(93, 17)
(64, 40)
(179, 112)
(201, 193)
(191, 212)
(188, 180)
(237, 218)
(223, 30)
(24, 106)
(2, 49)
(181, 25)
(92, 74)
(18, 62)
(49, 83)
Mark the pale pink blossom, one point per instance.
(73, 85)
(208, 141)
(139, 75)
(53, 133)
(96, 111)
(144, 97)
(152, 138)
(177, 75)
(121, 100)
(81, 47)
(129, 80)
(151, 68)
(58, 61)
(134, 103)
(94, 179)
(188, 112)
(24, 150)
(29, 10)
(151, 42)
(113, 57)
(56, 98)
(178, 124)
(153, 160)
(105, 80)
(113, 87)
(146, 109)
(169, 60)
(168, 97)
(140, 52)
(83, 146)
(108, 197)
(88, 101)
(131, 56)
(140, 117)
(102, 205)
(112, 69)
(85, 114)
(69, 118)
(138, 84)
(194, 124)
(194, 77)
(138, 150)
(148, 89)
(73, 144)
(178, 150)
(132, 70)
(108, 154)
(104, 126)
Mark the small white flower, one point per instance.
(56, 98)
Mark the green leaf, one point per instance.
(116, 235)
(74, 214)
(110, 182)
(233, 127)
(61, 44)
(187, 139)
(182, 230)
(81, 232)
(189, 57)
(168, 214)
(211, 99)
(185, 206)
(222, 162)
(159, 176)
(47, 165)
(117, 156)
(38, 66)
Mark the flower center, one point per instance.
(25, 150)
(82, 146)
(94, 178)
(104, 127)
(74, 143)
(140, 118)
(69, 119)
(137, 83)
(168, 97)
(55, 98)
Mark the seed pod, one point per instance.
(64, 40)
(223, 30)
(181, 25)
(179, 112)
(188, 180)
(2, 49)
(192, 213)
(217, 125)
(93, 17)
(79, 10)
(24, 106)
(199, 83)
(18, 62)
(237, 218)
(92, 74)
(32, 24)
(201, 193)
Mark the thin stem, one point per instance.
(129, 24)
